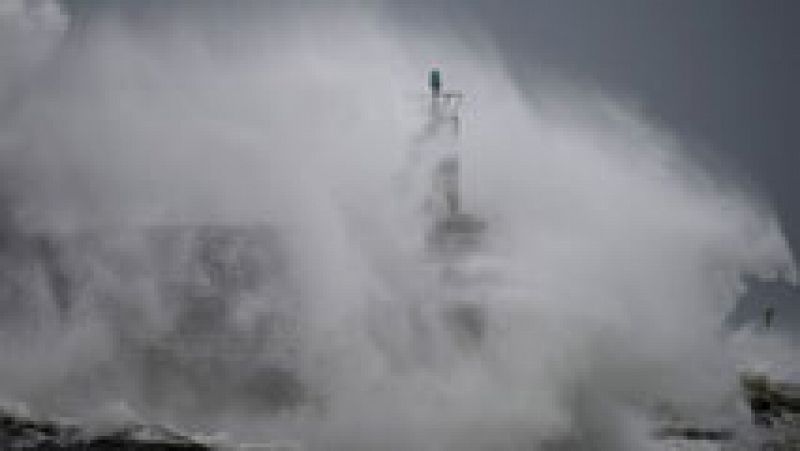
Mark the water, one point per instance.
(215, 218)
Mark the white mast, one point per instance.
(444, 113)
(454, 230)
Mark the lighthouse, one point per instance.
(455, 237)
(453, 229)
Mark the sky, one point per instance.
(721, 74)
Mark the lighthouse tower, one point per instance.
(453, 229)
(455, 237)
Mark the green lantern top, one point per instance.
(435, 81)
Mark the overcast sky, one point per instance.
(723, 74)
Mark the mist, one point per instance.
(129, 131)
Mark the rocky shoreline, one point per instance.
(775, 408)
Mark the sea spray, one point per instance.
(205, 216)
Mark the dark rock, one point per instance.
(18, 432)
